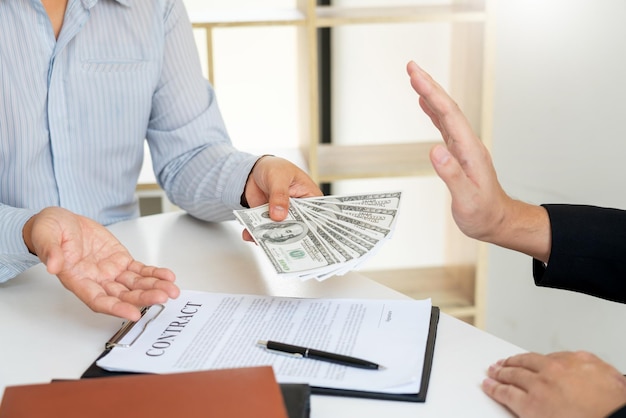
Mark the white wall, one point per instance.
(373, 103)
(255, 75)
(559, 137)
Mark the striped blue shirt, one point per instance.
(75, 113)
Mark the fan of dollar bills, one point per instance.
(323, 236)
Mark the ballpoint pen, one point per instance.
(305, 352)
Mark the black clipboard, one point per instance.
(95, 371)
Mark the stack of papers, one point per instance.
(323, 236)
(204, 331)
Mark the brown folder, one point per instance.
(226, 393)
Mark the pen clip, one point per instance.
(284, 353)
(281, 352)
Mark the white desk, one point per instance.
(47, 333)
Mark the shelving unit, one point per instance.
(458, 285)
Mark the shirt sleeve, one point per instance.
(193, 158)
(588, 252)
(14, 255)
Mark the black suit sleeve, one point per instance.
(588, 252)
(620, 413)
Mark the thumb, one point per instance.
(278, 199)
(53, 258)
(449, 169)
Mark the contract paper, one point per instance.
(202, 330)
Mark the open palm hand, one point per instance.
(90, 262)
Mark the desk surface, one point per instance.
(47, 333)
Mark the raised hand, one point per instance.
(480, 206)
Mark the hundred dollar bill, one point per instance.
(338, 242)
(371, 214)
(353, 236)
(291, 245)
(374, 230)
(323, 236)
(363, 241)
(380, 200)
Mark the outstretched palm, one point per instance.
(90, 262)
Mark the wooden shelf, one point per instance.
(328, 16)
(342, 162)
(207, 18)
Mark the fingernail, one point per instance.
(441, 154)
(488, 383)
(279, 210)
(495, 366)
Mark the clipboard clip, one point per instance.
(115, 340)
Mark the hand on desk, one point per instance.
(274, 180)
(90, 262)
(564, 384)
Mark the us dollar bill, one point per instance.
(380, 200)
(290, 245)
(365, 226)
(370, 214)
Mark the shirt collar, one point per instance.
(88, 4)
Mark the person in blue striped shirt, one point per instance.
(83, 85)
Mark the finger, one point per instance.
(451, 121)
(509, 396)
(51, 252)
(451, 172)
(245, 234)
(433, 117)
(303, 186)
(96, 298)
(531, 361)
(53, 258)
(136, 297)
(515, 376)
(277, 177)
(130, 281)
(128, 287)
(110, 305)
(152, 271)
(438, 101)
(278, 199)
(151, 277)
(285, 183)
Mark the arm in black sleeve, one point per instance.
(588, 251)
